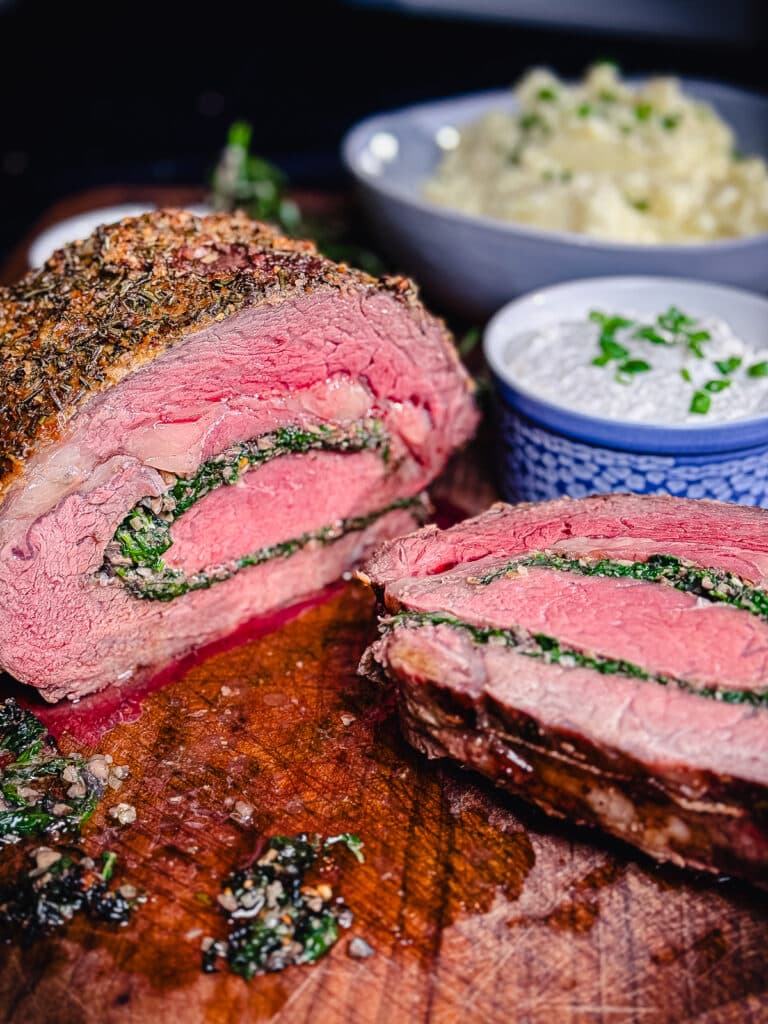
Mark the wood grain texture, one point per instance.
(476, 905)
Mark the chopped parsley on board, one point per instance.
(63, 882)
(42, 791)
(276, 918)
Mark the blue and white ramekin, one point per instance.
(546, 451)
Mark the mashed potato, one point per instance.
(601, 158)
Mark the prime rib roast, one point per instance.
(201, 421)
(606, 658)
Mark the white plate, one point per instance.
(74, 229)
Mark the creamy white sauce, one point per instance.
(555, 363)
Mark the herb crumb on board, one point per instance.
(359, 949)
(46, 793)
(276, 919)
(63, 883)
(42, 791)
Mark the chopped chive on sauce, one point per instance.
(610, 349)
(547, 95)
(135, 555)
(617, 335)
(634, 366)
(650, 334)
(700, 403)
(726, 366)
(551, 650)
(276, 918)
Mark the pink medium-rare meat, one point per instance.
(201, 421)
(613, 523)
(597, 660)
(669, 631)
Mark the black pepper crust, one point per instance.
(102, 307)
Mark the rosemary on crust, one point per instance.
(102, 307)
(712, 584)
(553, 651)
(134, 556)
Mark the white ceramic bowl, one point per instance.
(472, 264)
(547, 451)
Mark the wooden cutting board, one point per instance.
(474, 904)
(477, 906)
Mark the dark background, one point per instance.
(97, 93)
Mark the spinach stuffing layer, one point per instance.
(135, 555)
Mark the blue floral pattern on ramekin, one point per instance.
(537, 465)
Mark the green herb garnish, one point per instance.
(700, 403)
(758, 370)
(643, 111)
(108, 865)
(547, 95)
(726, 366)
(135, 555)
(650, 334)
(671, 121)
(243, 181)
(609, 324)
(42, 792)
(694, 341)
(686, 375)
(716, 386)
(276, 919)
(352, 842)
(584, 110)
(609, 347)
(63, 883)
(626, 371)
(469, 341)
(610, 350)
(530, 121)
(674, 320)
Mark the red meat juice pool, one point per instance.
(90, 718)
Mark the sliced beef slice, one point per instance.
(202, 421)
(636, 704)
